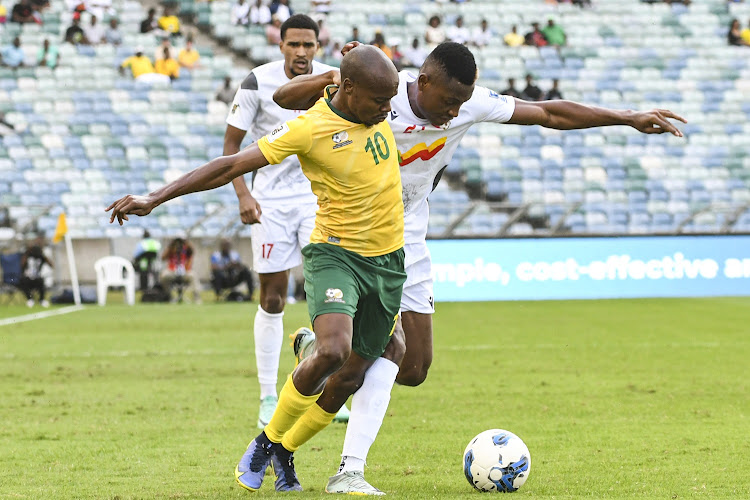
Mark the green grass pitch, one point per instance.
(615, 399)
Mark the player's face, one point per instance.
(439, 99)
(299, 47)
(371, 103)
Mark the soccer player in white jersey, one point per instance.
(281, 206)
(430, 114)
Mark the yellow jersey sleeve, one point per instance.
(291, 138)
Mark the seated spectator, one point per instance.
(226, 92)
(322, 7)
(178, 258)
(511, 90)
(260, 13)
(74, 34)
(113, 36)
(48, 55)
(734, 36)
(415, 55)
(531, 92)
(145, 256)
(188, 56)
(379, 42)
(745, 34)
(281, 9)
(398, 56)
(459, 33)
(167, 66)
(434, 34)
(482, 35)
(334, 52)
(355, 35)
(142, 69)
(535, 37)
(13, 55)
(150, 23)
(241, 13)
(32, 261)
(3, 13)
(554, 92)
(554, 34)
(170, 23)
(23, 12)
(324, 34)
(165, 44)
(273, 31)
(228, 271)
(94, 31)
(514, 39)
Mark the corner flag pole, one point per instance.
(61, 231)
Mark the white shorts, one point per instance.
(279, 238)
(417, 296)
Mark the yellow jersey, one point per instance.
(354, 172)
(170, 24)
(138, 65)
(188, 57)
(168, 67)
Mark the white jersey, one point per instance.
(425, 150)
(255, 111)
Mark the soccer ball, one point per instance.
(497, 460)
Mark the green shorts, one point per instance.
(366, 288)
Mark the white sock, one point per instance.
(269, 336)
(369, 405)
(351, 464)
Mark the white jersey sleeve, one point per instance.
(496, 107)
(245, 105)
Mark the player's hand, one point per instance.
(657, 121)
(349, 46)
(130, 204)
(249, 210)
(336, 77)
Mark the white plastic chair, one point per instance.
(114, 271)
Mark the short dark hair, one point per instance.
(456, 60)
(299, 21)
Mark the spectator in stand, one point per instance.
(3, 13)
(434, 34)
(165, 44)
(746, 33)
(167, 66)
(48, 55)
(241, 13)
(23, 12)
(169, 22)
(734, 36)
(415, 55)
(535, 37)
(74, 34)
(188, 56)
(179, 268)
(32, 261)
(531, 92)
(281, 9)
(482, 35)
(150, 23)
(273, 31)
(379, 42)
(94, 31)
(514, 39)
(554, 34)
(228, 271)
(458, 32)
(334, 52)
(113, 36)
(226, 92)
(260, 13)
(322, 7)
(355, 35)
(554, 92)
(398, 56)
(511, 90)
(142, 69)
(12, 54)
(324, 34)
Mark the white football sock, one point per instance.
(369, 406)
(351, 464)
(269, 336)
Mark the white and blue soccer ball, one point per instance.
(497, 460)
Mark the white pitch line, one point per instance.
(39, 315)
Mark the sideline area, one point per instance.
(39, 315)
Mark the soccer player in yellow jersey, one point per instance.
(354, 264)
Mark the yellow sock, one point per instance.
(313, 421)
(291, 406)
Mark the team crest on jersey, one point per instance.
(234, 108)
(278, 132)
(340, 139)
(334, 295)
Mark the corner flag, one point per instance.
(61, 229)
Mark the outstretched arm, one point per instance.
(213, 174)
(568, 115)
(303, 91)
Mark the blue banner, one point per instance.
(590, 268)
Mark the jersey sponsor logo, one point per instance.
(277, 132)
(334, 295)
(333, 239)
(235, 107)
(394, 115)
(422, 151)
(340, 139)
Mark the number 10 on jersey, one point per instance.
(380, 149)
